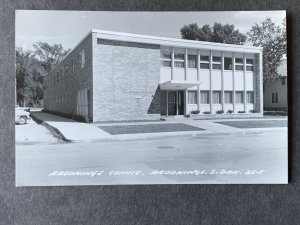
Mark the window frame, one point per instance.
(195, 97)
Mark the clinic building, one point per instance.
(112, 76)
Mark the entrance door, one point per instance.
(172, 103)
(175, 103)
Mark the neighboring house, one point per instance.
(275, 90)
(112, 76)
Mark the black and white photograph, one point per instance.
(121, 98)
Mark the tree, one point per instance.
(31, 66)
(217, 33)
(49, 55)
(28, 77)
(272, 38)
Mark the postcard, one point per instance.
(122, 98)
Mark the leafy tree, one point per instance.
(217, 33)
(28, 77)
(272, 38)
(49, 55)
(31, 66)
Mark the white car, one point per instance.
(21, 115)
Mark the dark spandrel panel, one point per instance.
(149, 128)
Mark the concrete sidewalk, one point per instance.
(71, 130)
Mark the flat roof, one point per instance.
(165, 41)
(174, 42)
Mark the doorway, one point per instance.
(175, 101)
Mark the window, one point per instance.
(228, 97)
(249, 68)
(216, 97)
(250, 97)
(204, 97)
(249, 64)
(61, 74)
(238, 60)
(204, 65)
(216, 66)
(227, 63)
(179, 60)
(216, 62)
(204, 62)
(216, 59)
(81, 59)
(192, 97)
(274, 97)
(165, 59)
(239, 97)
(249, 61)
(239, 67)
(283, 80)
(73, 66)
(204, 58)
(57, 77)
(239, 64)
(192, 59)
(67, 69)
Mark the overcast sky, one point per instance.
(69, 27)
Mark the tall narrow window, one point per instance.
(192, 97)
(73, 66)
(192, 59)
(81, 59)
(228, 97)
(216, 62)
(249, 64)
(216, 97)
(275, 97)
(165, 58)
(250, 97)
(239, 97)
(227, 63)
(179, 60)
(204, 97)
(239, 64)
(204, 62)
(283, 80)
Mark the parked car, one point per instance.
(21, 115)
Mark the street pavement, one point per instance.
(253, 156)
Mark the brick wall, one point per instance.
(62, 96)
(125, 81)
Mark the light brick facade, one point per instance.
(112, 76)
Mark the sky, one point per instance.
(69, 27)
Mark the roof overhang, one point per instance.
(177, 85)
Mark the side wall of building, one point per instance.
(68, 87)
(126, 77)
(272, 87)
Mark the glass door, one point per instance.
(172, 103)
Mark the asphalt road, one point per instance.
(253, 157)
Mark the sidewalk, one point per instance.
(70, 130)
(73, 131)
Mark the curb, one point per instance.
(52, 129)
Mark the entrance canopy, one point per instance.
(177, 85)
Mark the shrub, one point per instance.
(195, 111)
(206, 112)
(252, 111)
(229, 111)
(241, 112)
(220, 111)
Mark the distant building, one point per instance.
(275, 90)
(112, 76)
